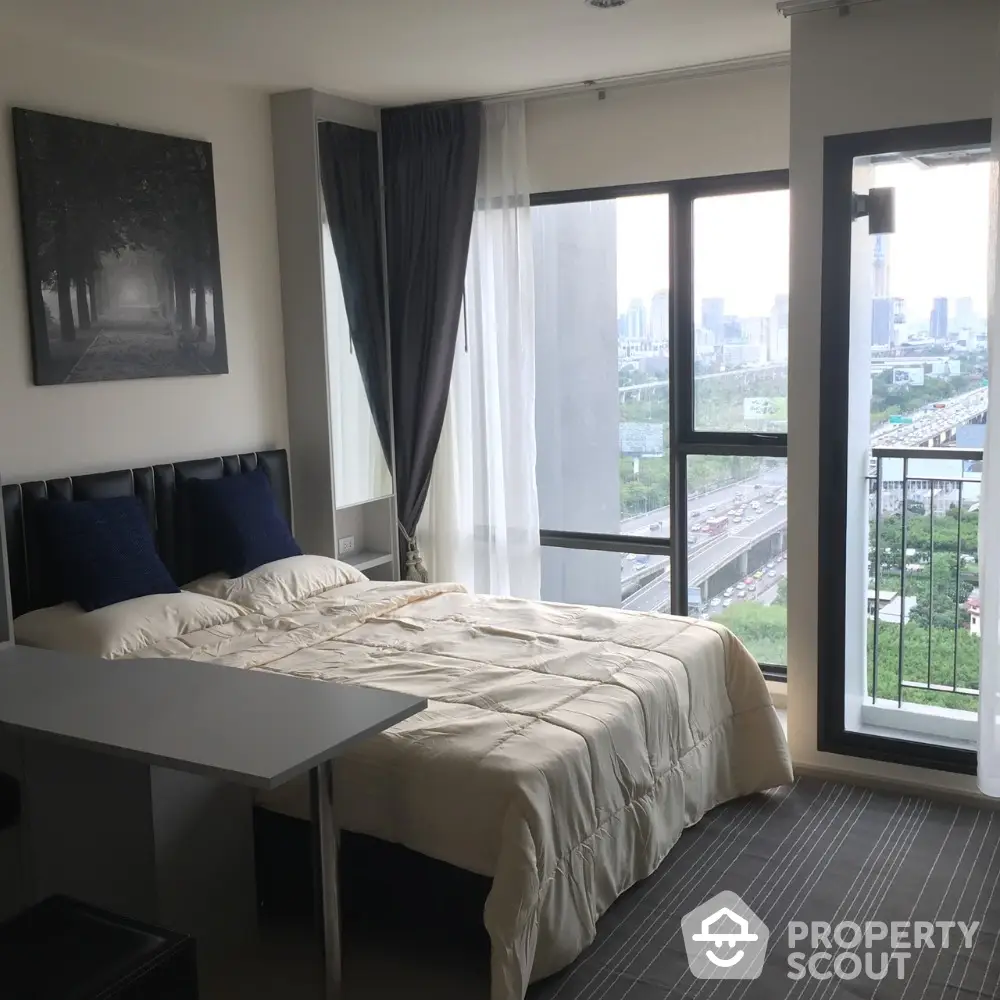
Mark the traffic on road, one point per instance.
(722, 524)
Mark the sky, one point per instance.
(941, 243)
(742, 252)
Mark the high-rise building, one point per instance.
(965, 314)
(636, 323)
(777, 345)
(659, 319)
(883, 327)
(880, 268)
(732, 330)
(756, 331)
(713, 315)
(779, 313)
(939, 319)
(777, 334)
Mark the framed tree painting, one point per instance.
(121, 251)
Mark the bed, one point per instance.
(564, 749)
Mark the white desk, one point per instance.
(138, 778)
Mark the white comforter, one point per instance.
(563, 752)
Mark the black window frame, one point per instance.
(839, 154)
(684, 440)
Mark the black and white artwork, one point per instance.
(121, 251)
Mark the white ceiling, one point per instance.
(401, 51)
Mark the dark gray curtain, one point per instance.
(348, 160)
(430, 164)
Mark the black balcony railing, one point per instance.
(923, 577)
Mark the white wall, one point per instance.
(71, 428)
(733, 122)
(897, 63)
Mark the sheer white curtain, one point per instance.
(480, 522)
(989, 537)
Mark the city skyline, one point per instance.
(939, 249)
(741, 249)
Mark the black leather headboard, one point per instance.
(156, 486)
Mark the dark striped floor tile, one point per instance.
(817, 852)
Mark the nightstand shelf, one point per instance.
(363, 561)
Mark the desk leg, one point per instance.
(325, 874)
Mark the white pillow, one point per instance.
(122, 629)
(278, 583)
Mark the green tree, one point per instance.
(940, 588)
(762, 628)
(948, 657)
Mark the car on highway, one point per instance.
(738, 495)
(770, 565)
(729, 592)
(748, 580)
(727, 602)
(782, 503)
(737, 519)
(759, 575)
(755, 505)
(714, 507)
(772, 572)
(752, 588)
(716, 602)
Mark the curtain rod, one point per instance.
(720, 68)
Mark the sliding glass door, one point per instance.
(662, 375)
(903, 421)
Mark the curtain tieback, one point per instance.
(415, 568)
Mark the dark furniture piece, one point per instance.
(10, 801)
(64, 950)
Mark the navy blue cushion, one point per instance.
(238, 522)
(102, 552)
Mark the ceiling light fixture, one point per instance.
(791, 7)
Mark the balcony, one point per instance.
(923, 632)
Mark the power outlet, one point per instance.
(347, 545)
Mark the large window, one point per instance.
(662, 333)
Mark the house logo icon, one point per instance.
(725, 939)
